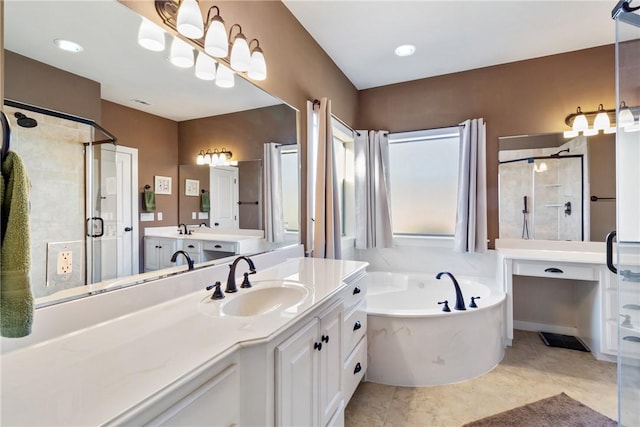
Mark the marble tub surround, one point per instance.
(529, 371)
(98, 373)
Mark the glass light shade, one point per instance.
(570, 133)
(215, 159)
(625, 117)
(240, 55)
(610, 129)
(205, 67)
(224, 77)
(207, 158)
(200, 158)
(189, 20)
(150, 36)
(216, 42)
(257, 66)
(223, 159)
(542, 167)
(633, 128)
(590, 132)
(580, 123)
(181, 54)
(601, 121)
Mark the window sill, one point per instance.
(424, 241)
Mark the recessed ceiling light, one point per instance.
(405, 50)
(67, 45)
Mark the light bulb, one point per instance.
(205, 67)
(216, 42)
(240, 55)
(601, 121)
(224, 77)
(257, 66)
(150, 36)
(580, 123)
(189, 20)
(625, 117)
(181, 54)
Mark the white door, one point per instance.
(127, 211)
(224, 197)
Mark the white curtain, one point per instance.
(372, 188)
(326, 235)
(273, 209)
(471, 217)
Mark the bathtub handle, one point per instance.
(317, 346)
(325, 339)
(356, 290)
(357, 325)
(358, 368)
(553, 270)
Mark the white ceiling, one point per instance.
(108, 32)
(450, 36)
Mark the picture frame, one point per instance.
(163, 184)
(191, 187)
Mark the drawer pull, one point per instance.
(356, 291)
(191, 247)
(553, 270)
(317, 346)
(631, 339)
(357, 325)
(217, 246)
(357, 369)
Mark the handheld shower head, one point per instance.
(24, 121)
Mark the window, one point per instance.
(423, 168)
(290, 198)
(343, 150)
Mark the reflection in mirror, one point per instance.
(89, 219)
(551, 188)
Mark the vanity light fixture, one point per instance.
(214, 158)
(150, 36)
(601, 121)
(68, 45)
(224, 77)
(185, 16)
(181, 54)
(579, 122)
(205, 67)
(625, 116)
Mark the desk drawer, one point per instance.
(561, 270)
(219, 246)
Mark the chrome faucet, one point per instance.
(459, 297)
(186, 230)
(231, 280)
(174, 258)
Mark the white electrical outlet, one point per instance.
(65, 262)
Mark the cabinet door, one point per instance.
(151, 254)
(297, 378)
(330, 384)
(215, 403)
(166, 249)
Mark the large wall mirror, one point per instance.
(75, 177)
(554, 188)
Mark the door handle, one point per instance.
(128, 229)
(91, 224)
(610, 237)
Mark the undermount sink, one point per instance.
(265, 297)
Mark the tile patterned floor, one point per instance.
(529, 371)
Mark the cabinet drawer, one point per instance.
(354, 293)
(192, 246)
(561, 270)
(354, 328)
(219, 246)
(354, 369)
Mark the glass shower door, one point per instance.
(628, 212)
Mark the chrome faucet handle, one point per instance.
(245, 281)
(446, 305)
(473, 304)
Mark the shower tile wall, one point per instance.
(547, 193)
(53, 155)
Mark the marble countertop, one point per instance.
(93, 375)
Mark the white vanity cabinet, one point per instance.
(158, 252)
(309, 371)
(354, 337)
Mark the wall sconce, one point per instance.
(185, 17)
(602, 121)
(214, 158)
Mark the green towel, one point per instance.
(16, 299)
(205, 202)
(149, 201)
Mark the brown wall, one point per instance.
(36, 83)
(526, 97)
(189, 204)
(602, 180)
(156, 139)
(243, 133)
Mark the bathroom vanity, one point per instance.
(595, 300)
(189, 360)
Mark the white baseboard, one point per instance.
(541, 327)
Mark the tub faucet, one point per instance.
(231, 279)
(174, 258)
(459, 297)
